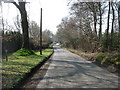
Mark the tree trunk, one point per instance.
(112, 28)
(107, 30)
(100, 29)
(95, 20)
(119, 25)
(119, 18)
(2, 21)
(95, 23)
(24, 23)
(91, 6)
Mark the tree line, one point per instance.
(91, 26)
(24, 33)
(12, 40)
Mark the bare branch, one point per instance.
(16, 5)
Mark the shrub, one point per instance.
(99, 57)
(11, 41)
(111, 59)
(23, 52)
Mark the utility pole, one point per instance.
(41, 33)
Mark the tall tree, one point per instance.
(34, 32)
(117, 8)
(119, 24)
(2, 21)
(47, 36)
(24, 23)
(119, 17)
(100, 14)
(107, 30)
(17, 23)
(93, 7)
(113, 19)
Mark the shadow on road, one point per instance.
(95, 75)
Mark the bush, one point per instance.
(112, 45)
(24, 52)
(115, 59)
(108, 58)
(99, 57)
(11, 41)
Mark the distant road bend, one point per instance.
(68, 70)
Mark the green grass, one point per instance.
(108, 58)
(18, 65)
(23, 52)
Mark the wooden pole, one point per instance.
(41, 33)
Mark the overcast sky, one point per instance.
(53, 12)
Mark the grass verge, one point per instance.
(17, 66)
(85, 55)
(109, 61)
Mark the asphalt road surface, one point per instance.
(68, 70)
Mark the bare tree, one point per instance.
(107, 30)
(34, 32)
(118, 10)
(2, 21)
(112, 28)
(24, 23)
(79, 31)
(47, 36)
(17, 23)
(94, 9)
(119, 23)
(100, 14)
